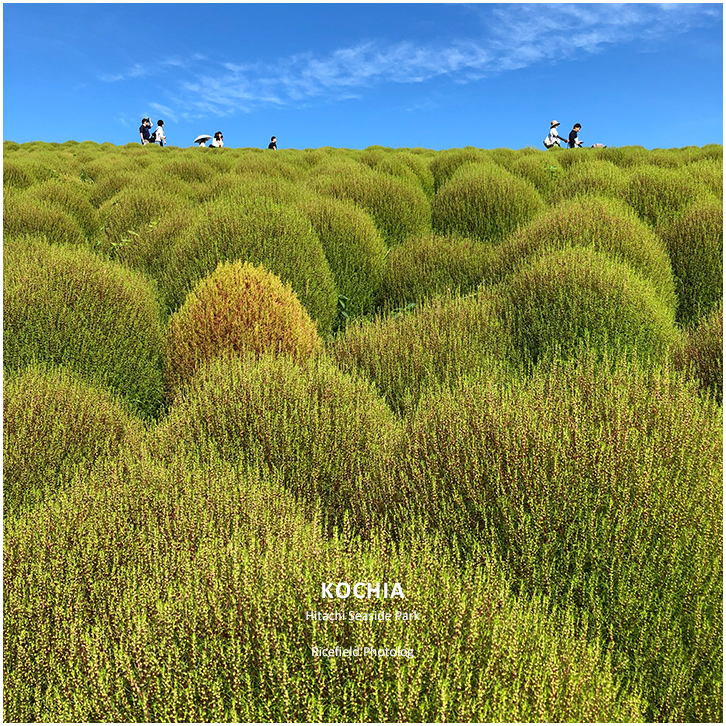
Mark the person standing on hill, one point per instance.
(573, 141)
(144, 131)
(159, 136)
(273, 143)
(553, 138)
(218, 140)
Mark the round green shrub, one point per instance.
(354, 249)
(445, 163)
(578, 297)
(599, 489)
(588, 177)
(483, 201)
(262, 232)
(694, 240)
(435, 344)
(391, 163)
(399, 208)
(327, 433)
(55, 427)
(239, 309)
(701, 352)
(72, 197)
(65, 306)
(708, 172)
(25, 215)
(431, 264)
(134, 210)
(15, 176)
(605, 225)
(658, 194)
(540, 169)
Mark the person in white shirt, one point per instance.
(218, 139)
(553, 138)
(159, 137)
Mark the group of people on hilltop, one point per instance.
(553, 138)
(155, 137)
(159, 137)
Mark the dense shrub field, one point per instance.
(494, 377)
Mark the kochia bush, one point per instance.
(604, 225)
(56, 426)
(483, 201)
(578, 297)
(239, 309)
(63, 305)
(262, 232)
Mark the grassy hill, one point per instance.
(491, 376)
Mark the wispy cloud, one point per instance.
(507, 37)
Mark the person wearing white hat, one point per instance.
(553, 138)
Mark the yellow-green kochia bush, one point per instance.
(701, 352)
(398, 207)
(262, 232)
(433, 345)
(599, 488)
(65, 306)
(694, 240)
(327, 433)
(179, 593)
(354, 249)
(604, 225)
(25, 215)
(589, 177)
(577, 297)
(239, 309)
(432, 264)
(485, 201)
(55, 426)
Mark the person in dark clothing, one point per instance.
(273, 143)
(144, 132)
(573, 141)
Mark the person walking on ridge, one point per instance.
(553, 138)
(273, 143)
(144, 131)
(573, 141)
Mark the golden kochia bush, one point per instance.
(238, 309)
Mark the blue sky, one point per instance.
(352, 75)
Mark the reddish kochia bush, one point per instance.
(239, 309)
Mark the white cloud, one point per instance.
(511, 36)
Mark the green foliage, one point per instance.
(64, 306)
(55, 426)
(431, 264)
(483, 201)
(327, 433)
(601, 489)
(354, 249)
(433, 345)
(701, 352)
(239, 309)
(553, 510)
(694, 240)
(262, 232)
(25, 215)
(178, 594)
(398, 207)
(577, 297)
(445, 164)
(660, 194)
(589, 177)
(604, 225)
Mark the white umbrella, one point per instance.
(202, 138)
